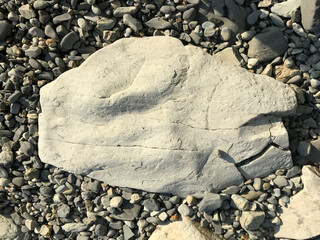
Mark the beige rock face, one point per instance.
(182, 230)
(301, 219)
(8, 229)
(153, 114)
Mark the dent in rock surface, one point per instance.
(184, 126)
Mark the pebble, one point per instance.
(120, 11)
(63, 211)
(158, 23)
(252, 62)
(100, 230)
(40, 4)
(225, 34)
(240, 202)
(210, 202)
(184, 210)
(27, 12)
(68, 41)
(33, 52)
(74, 227)
(18, 181)
(132, 22)
(26, 148)
(189, 15)
(103, 24)
(304, 148)
(116, 202)
(280, 181)
(5, 30)
(276, 20)
(299, 30)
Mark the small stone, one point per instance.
(68, 41)
(158, 23)
(209, 32)
(292, 172)
(6, 157)
(304, 148)
(116, 202)
(106, 24)
(30, 224)
(257, 184)
(299, 30)
(280, 181)
(127, 232)
(3, 172)
(31, 173)
(189, 15)
(240, 202)
(251, 221)
(36, 32)
(252, 62)
(135, 198)
(40, 4)
(74, 227)
(225, 34)
(120, 11)
(100, 230)
(33, 52)
(163, 216)
(184, 210)
(247, 35)
(252, 195)
(151, 205)
(18, 181)
(285, 9)
(253, 17)
(26, 148)
(277, 21)
(5, 29)
(45, 231)
(132, 22)
(61, 18)
(27, 12)
(63, 211)
(231, 190)
(210, 203)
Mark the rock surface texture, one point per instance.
(183, 230)
(310, 11)
(153, 114)
(301, 219)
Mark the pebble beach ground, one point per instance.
(39, 40)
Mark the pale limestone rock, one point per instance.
(301, 219)
(136, 115)
(182, 230)
(8, 229)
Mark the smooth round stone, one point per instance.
(277, 192)
(207, 24)
(315, 83)
(116, 202)
(247, 35)
(18, 181)
(3, 172)
(252, 62)
(280, 181)
(209, 31)
(189, 14)
(184, 210)
(257, 184)
(294, 80)
(167, 9)
(26, 148)
(225, 34)
(276, 20)
(40, 4)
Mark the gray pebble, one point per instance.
(18, 181)
(63, 211)
(26, 148)
(225, 34)
(210, 203)
(184, 210)
(292, 172)
(69, 40)
(276, 20)
(100, 230)
(209, 31)
(120, 11)
(36, 32)
(106, 24)
(132, 22)
(5, 29)
(27, 12)
(158, 23)
(253, 17)
(189, 15)
(33, 52)
(280, 181)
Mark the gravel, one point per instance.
(42, 39)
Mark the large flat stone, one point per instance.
(301, 219)
(153, 114)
